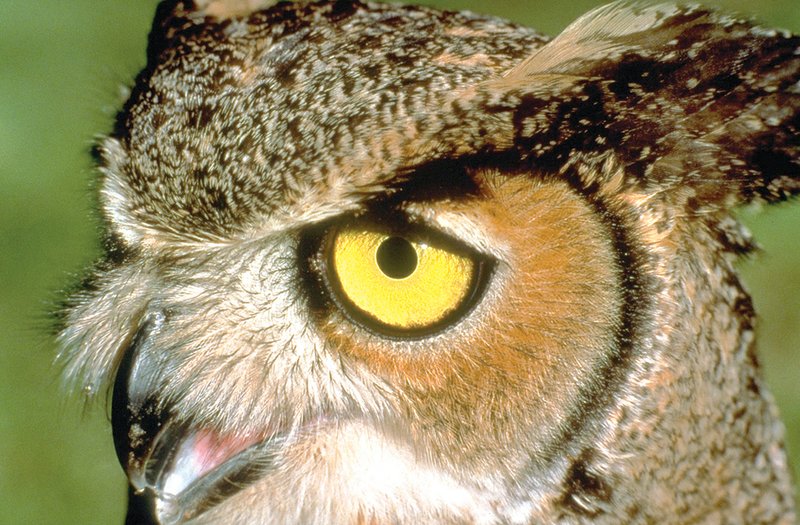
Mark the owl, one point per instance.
(369, 264)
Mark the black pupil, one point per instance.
(396, 257)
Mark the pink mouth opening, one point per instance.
(201, 453)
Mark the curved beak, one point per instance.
(176, 470)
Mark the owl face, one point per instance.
(371, 263)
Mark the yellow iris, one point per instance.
(401, 283)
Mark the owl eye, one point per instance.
(402, 283)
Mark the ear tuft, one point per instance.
(225, 9)
(175, 17)
(682, 95)
(606, 32)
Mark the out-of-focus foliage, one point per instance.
(61, 65)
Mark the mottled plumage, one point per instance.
(600, 368)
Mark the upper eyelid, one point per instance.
(458, 228)
(409, 213)
(418, 227)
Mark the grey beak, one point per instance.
(136, 421)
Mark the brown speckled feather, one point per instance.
(601, 368)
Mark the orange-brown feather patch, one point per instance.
(536, 343)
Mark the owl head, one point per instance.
(370, 263)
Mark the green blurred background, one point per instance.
(61, 67)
